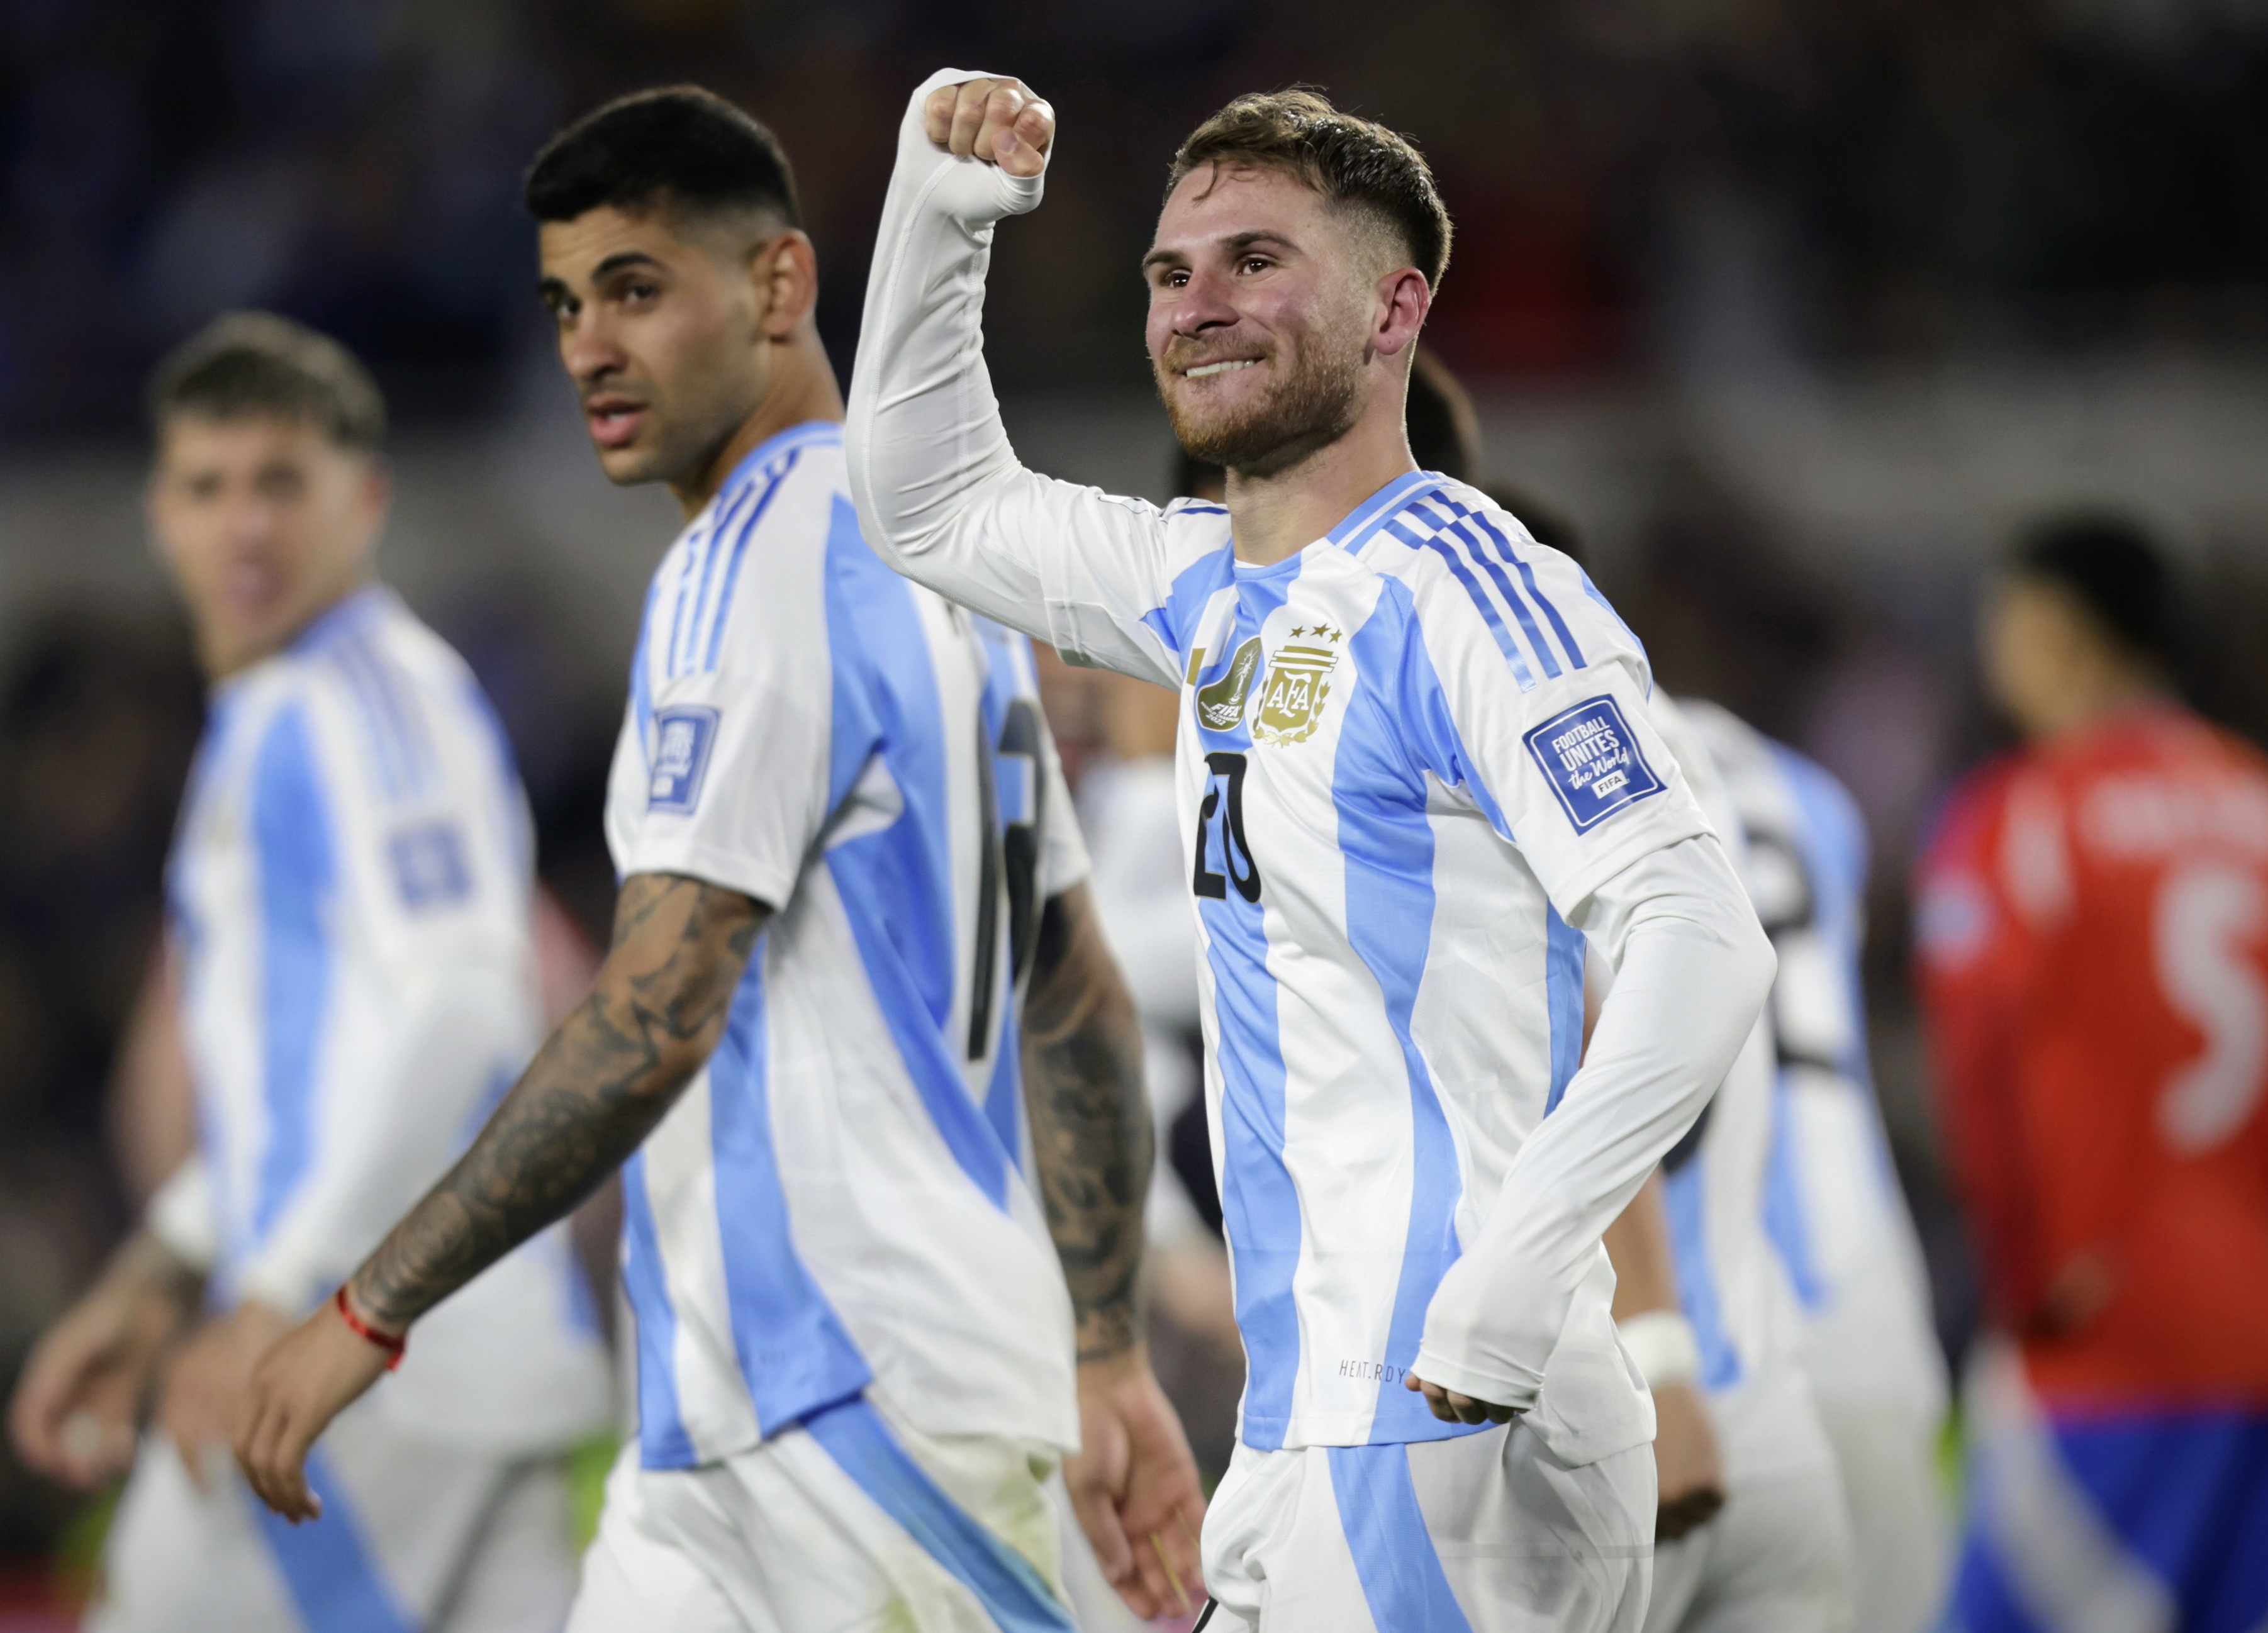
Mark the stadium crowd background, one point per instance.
(1795, 311)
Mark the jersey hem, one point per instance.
(1641, 844)
(768, 885)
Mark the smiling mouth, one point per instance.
(1205, 370)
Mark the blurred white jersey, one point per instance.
(840, 1198)
(349, 898)
(1735, 1293)
(1833, 1208)
(1777, 1560)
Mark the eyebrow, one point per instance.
(1234, 242)
(550, 288)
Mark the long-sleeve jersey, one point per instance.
(1415, 767)
(2092, 949)
(842, 1197)
(349, 899)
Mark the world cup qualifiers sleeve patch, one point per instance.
(1593, 761)
(429, 866)
(681, 740)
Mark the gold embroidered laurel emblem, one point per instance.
(1299, 681)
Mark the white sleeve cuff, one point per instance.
(180, 1215)
(1496, 1388)
(1661, 1345)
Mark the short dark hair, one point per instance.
(255, 365)
(2109, 563)
(1352, 161)
(680, 147)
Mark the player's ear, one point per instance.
(785, 270)
(1402, 301)
(377, 486)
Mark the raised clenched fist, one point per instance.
(998, 120)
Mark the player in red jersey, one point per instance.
(2092, 947)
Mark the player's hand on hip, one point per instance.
(313, 1372)
(1452, 1408)
(1688, 1468)
(1134, 1487)
(997, 121)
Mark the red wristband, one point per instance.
(393, 1347)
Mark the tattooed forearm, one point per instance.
(593, 1091)
(1090, 1121)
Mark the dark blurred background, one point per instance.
(1795, 309)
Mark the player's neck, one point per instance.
(2096, 698)
(222, 655)
(1278, 512)
(802, 388)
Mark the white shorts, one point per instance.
(415, 1535)
(1777, 1558)
(849, 1521)
(1487, 1532)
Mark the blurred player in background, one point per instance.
(848, 857)
(2093, 942)
(1716, 1338)
(1382, 682)
(1832, 1204)
(1753, 1532)
(350, 914)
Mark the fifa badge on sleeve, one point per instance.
(682, 740)
(1593, 762)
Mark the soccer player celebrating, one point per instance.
(1416, 767)
(848, 854)
(348, 922)
(2093, 943)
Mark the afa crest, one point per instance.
(1297, 685)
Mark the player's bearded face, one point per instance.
(1313, 398)
(1258, 330)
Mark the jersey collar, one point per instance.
(341, 619)
(1355, 528)
(807, 434)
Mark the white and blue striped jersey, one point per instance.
(841, 1196)
(350, 911)
(1833, 1207)
(1416, 769)
(1405, 750)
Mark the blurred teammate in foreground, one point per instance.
(348, 920)
(2093, 956)
(1384, 682)
(847, 856)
